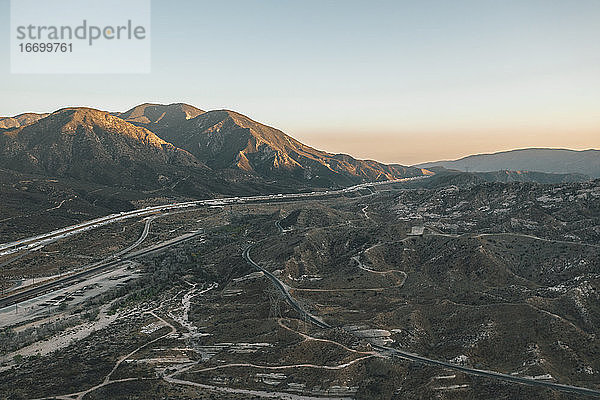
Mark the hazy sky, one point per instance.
(396, 81)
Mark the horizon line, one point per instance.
(306, 140)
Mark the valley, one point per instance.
(301, 201)
(171, 252)
(323, 295)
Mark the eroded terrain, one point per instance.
(504, 279)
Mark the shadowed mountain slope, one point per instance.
(225, 139)
(92, 145)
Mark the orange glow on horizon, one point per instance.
(410, 149)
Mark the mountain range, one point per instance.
(554, 161)
(225, 139)
(184, 149)
(154, 145)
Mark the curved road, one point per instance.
(91, 270)
(284, 290)
(46, 238)
(143, 237)
(389, 351)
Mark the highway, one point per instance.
(143, 237)
(284, 290)
(392, 352)
(389, 351)
(33, 243)
(50, 237)
(92, 269)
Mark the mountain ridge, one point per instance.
(21, 120)
(92, 145)
(535, 159)
(147, 113)
(226, 139)
(154, 145)
(232, 152)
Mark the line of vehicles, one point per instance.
(44, 239)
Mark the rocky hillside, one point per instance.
(177, 147)
(92, 145)
(154, 146)
(445, 176)
(568, 211)
(20, 120)
(228, 140)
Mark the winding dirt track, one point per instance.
(392, 352)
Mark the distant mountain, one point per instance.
(92, 145)
(20, 120)
(159, 116)
(445, 177)
(556, 161)
(530, 176)
(228, 140)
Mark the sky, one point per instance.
(394, 81)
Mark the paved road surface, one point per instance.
(46, 238)
(389, 351)
(91, 270)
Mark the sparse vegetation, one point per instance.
(503, 302)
